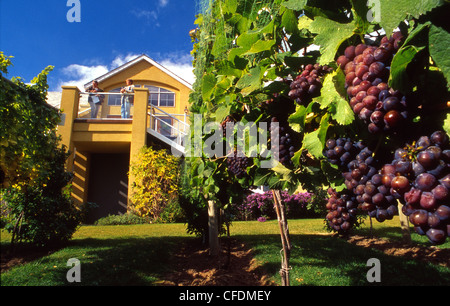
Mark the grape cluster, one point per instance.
(288, 142)
(375, 196)
(423, 185)
(238, 165)
(353, 158)
(366, 70)
(308, 83)
(229, 118)
(342, 211)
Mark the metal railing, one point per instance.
(88, 109)
(171, 132)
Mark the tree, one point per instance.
(35, 190)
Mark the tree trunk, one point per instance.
(213, 226)
(284, 232)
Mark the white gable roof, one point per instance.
(138, 59)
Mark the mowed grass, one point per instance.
(143, 254)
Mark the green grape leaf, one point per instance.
(250, 81)
(438, 45)
(447, 124)
(330, 35)
(398, 78)
(296, 5)
(330, 97)
(208, 84)
(390, 13)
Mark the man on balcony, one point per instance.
(127, 99)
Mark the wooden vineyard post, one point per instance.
(284, 232)
(404, 224)
(213, 226)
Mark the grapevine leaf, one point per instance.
(447, 125)
(344, 114)
(208, 84)
(330, 97)
(334, 175)
(222, 112)
(312, 143)
(260, 46)
(289, 21)
(330, 35)
(304, 22)
(398, 78)
(281, 170)
(296, 5)
(250, 81)
(297, 119)
(391, 13)
(439, 39)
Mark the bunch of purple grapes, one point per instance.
(375, 195)
(238, 165)
(354, 159)
(342, 212)
(422, 183)
(366, 70)
(308, 83)
(288, 142)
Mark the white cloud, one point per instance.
(163, 3)
(122, 59)
(78, 75)
(181, 65)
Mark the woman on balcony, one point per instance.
(127, 99)
(95, 100)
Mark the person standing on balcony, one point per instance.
(127, 99)
(95, 100)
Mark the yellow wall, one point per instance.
(144, 73)
(86, 137)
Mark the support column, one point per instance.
(80, 183)
(138, 130)
(70, 101)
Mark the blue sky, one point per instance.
(111, 32)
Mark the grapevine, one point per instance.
(354, 112)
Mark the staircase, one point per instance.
(167, 128)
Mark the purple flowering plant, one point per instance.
(260, 206)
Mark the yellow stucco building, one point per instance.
(103, 148)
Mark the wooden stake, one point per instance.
(213, 226)
(404, 224)
(285, 241)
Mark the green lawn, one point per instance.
(141, 255)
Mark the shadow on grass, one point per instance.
(319, 260)
(316, 260)
(103, 262)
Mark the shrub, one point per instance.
(260, 206)
(41, 211)
(125, 219)
(156, 182)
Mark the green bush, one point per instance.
(125, 219)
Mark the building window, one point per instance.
(160, 96)
(157, 96)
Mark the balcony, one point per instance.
(109, 128)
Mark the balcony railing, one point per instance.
(106, 111)
(170, 128)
